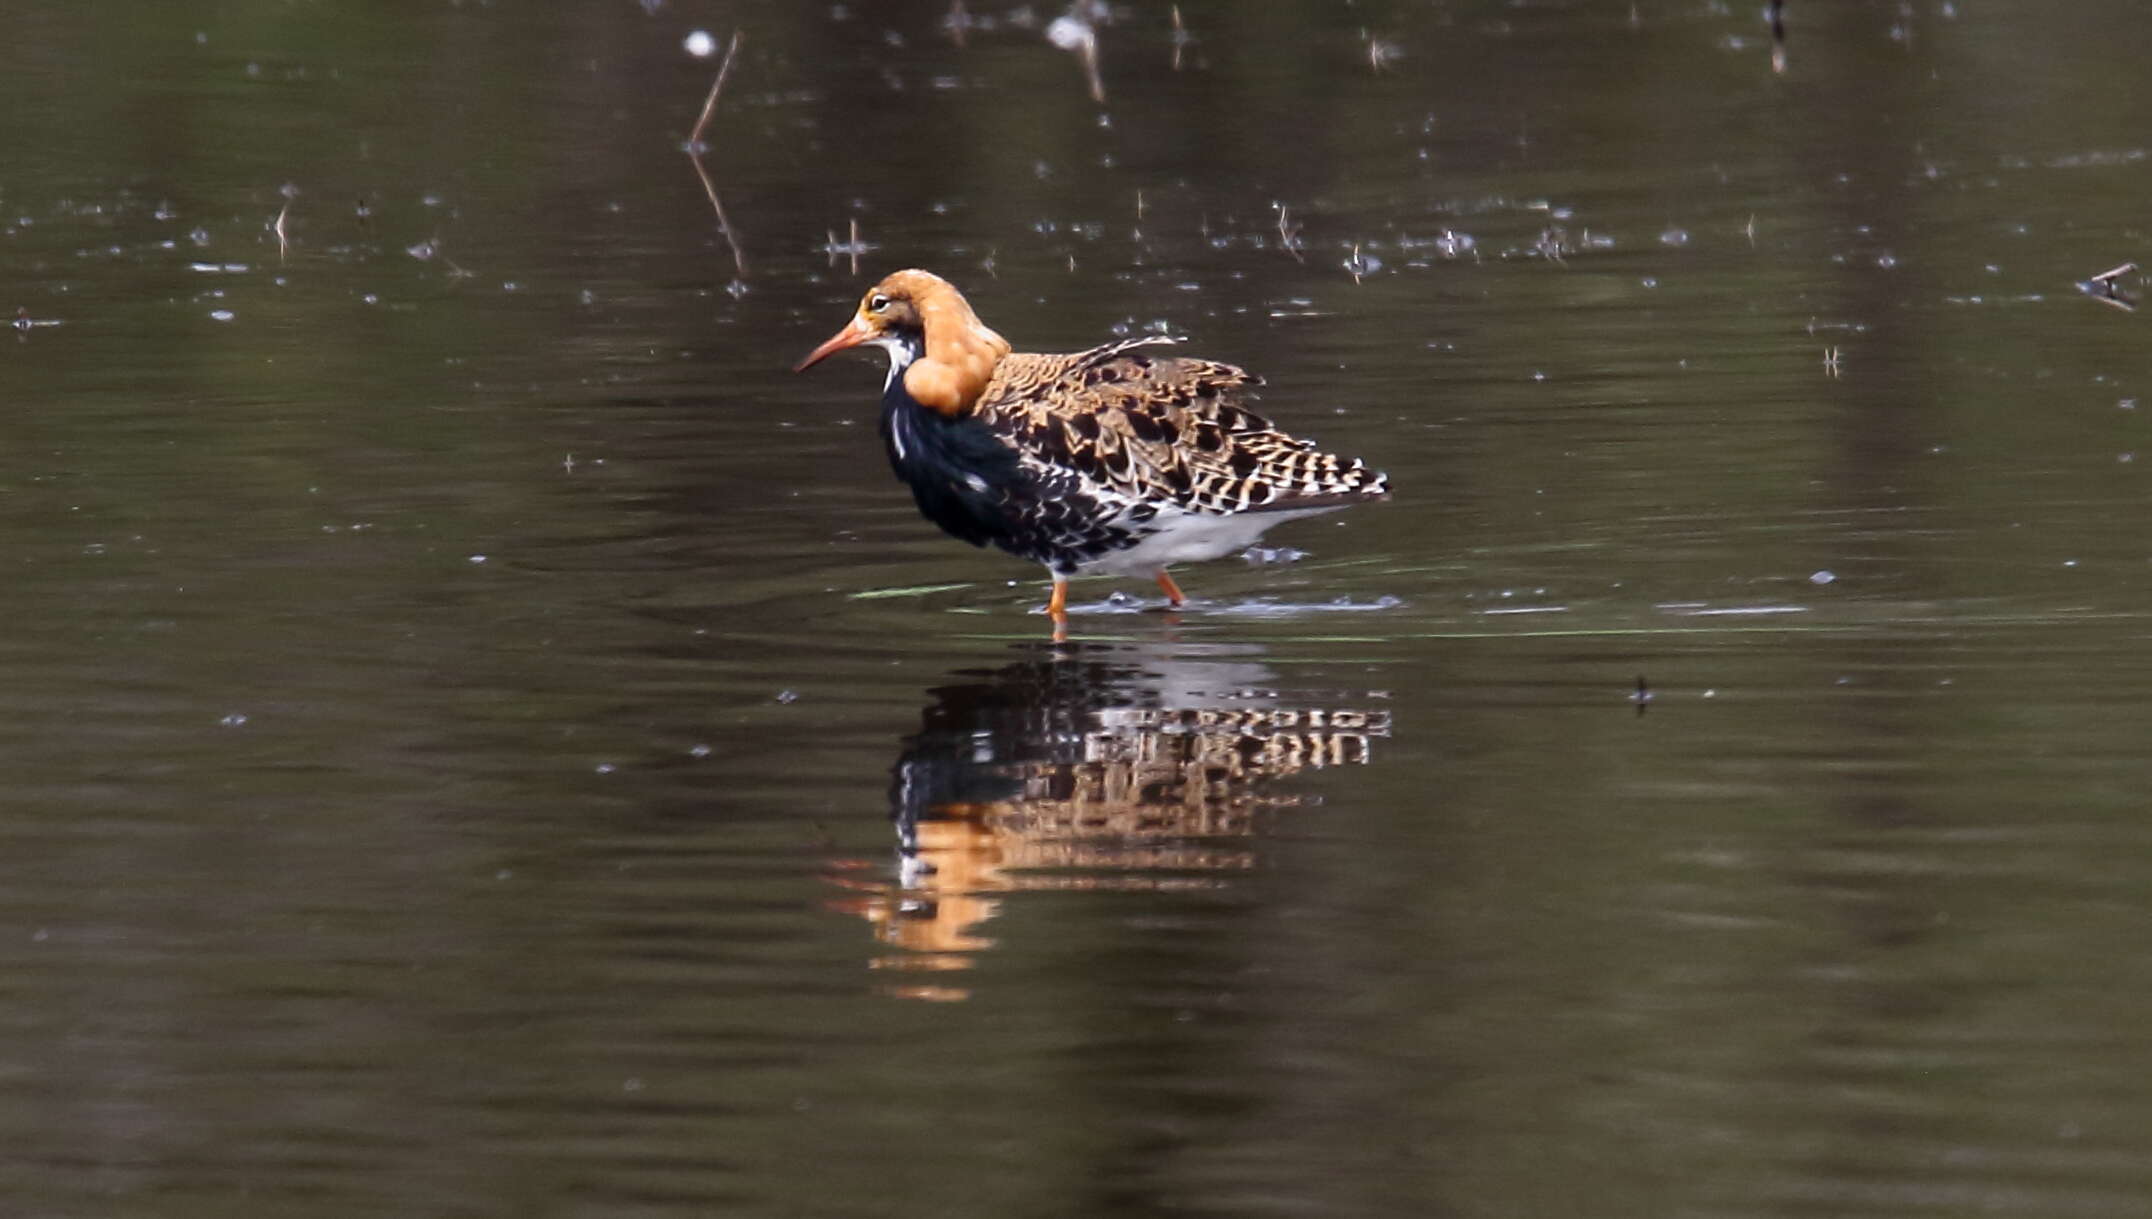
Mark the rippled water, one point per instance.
(486, 740)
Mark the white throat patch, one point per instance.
(902, 351)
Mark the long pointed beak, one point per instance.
(851, 336)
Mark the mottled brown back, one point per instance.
(1163, 428)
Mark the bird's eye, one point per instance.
(877, 303)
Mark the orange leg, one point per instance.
(1057, 606)
(1174, 599)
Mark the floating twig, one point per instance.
(283, 243)
(1552, 244)
(739, 261)
(1289, 233)
(432, 248)
(956, 23)
(1072, 31)
(1360, 265)
(2108, 289)
(854, 247)
(24, 323)
(695, 148)
(1181, 38)
(709, 104)
(1379, 53)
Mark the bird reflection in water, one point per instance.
(1097, 766)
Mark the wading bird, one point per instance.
(1112, 460)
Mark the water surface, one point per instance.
(487, 740)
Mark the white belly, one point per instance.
(1191, 537)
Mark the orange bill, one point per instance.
(851, 336)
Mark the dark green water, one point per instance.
(484, 739)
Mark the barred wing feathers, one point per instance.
(1164, 429)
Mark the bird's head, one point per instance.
(889, 317)
(935, 342)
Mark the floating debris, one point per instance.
(1361, 265)
(695, 149)
(700, 44)
(1182, 39)
(1288, 232)
(1075, 31)
(709, 104)
(1453, 244)
(958, 23)
(431, 249)
(2107, 287)
(851, 248)
(24, 323)
(1734, 611)
(914, 590)
(1266, 607)
(1380, 54)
